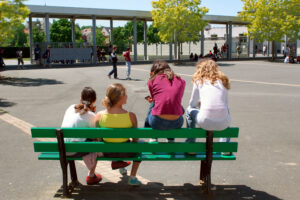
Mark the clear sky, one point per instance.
(216, 7)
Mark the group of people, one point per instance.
(113, 57)
(208, 108)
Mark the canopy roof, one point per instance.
(87, 13)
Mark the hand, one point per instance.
(149, 99)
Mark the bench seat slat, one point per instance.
(146, 157)
(37, 132)
(135, 147)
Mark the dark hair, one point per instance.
(128, 49)
(88, 96)
(162, 67)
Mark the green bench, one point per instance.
(207, 150)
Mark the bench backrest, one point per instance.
(40, 146)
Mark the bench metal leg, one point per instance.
(63, 160)
(64, 167)
(73, 172)
(205, 170)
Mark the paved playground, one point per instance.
(264, 103)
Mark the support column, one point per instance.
(73, 30)
(227, 52)
(134, 40)
(248, 42)
(202, 42)
(111, 37)
(47, 29)
(230, 41)
(268, 50)
(94, 40)
(254, 50)
(30, 39)
(145, 40)
(170, 51)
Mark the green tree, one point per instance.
(152, 35)
(120, 38)
(37, 33)
(100, 39)
(178, 20)
(128, 31)
(12, 13)
(61, 31)
(19, 39)
(270, 20)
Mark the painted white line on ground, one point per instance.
(236, 80)
(103, 167)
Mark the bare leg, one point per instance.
(134, 168)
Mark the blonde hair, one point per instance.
(208, 69)
(113, 94)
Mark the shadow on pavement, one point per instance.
(4, 103)
(193, 64)
(158, 191)
(27, 82)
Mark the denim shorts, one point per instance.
(164, 124)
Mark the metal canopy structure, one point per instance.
(94, 14)
(87, 13)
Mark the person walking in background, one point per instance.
(37, 55)
(46, 56)
(264, 49)
(114, 60)
(20, 58)
(127, 58)
(1, 58)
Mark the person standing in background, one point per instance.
(127, 58)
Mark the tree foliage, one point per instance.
(37, 33)
(270, 20)
(178, 20)
(19, 39)
(152, 35)
(61, 31)
(12, 14)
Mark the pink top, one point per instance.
(166, 95)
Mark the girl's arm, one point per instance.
(134, 123)
(194, 101)
(97, 120)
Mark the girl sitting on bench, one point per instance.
(83, 115)
(114, 116)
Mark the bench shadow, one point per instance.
(158, 191)
(5, 103)
(28, 82)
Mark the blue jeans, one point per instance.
(114, 71)
(191, 116)
(128, 64)
(162, 124)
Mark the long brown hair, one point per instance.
(162, 67)
(113, 94)
(208, 69)
(88, 96)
